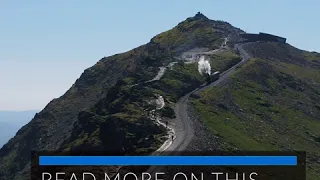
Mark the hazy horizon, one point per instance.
(17, 111)
(47, 45)
(12, 121)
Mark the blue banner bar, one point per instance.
(168, 160)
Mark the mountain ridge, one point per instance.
(104, 103)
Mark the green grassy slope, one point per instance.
(267, 105)
(184, 78)
(197, 31)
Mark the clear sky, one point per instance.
(46, 45)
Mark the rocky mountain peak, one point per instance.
(199, 15)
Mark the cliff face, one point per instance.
(99, 105)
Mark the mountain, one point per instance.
(11, 122)
(111, 107)
(100, 105)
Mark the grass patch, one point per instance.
(312, 56)
(224, 60)
(307, 73)
(187, 34)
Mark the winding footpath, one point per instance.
(183, 126)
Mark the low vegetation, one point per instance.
(193, 32)
(266, 105)
(223, 60)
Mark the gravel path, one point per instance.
(191, 134)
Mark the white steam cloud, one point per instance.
(204, 66)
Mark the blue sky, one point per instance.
(46, 45)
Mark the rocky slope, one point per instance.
(106, 102)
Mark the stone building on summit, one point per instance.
(262, 37)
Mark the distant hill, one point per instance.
(12, 121)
